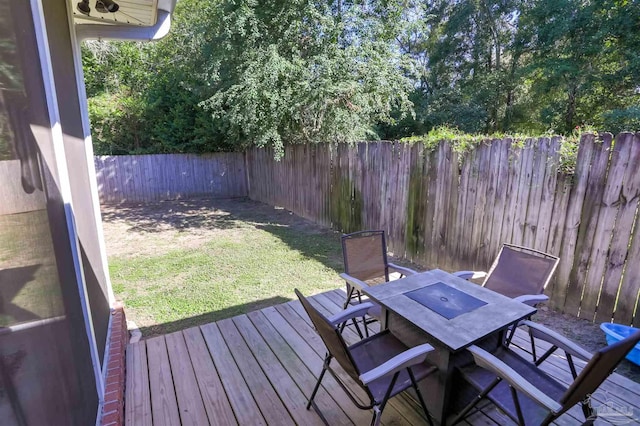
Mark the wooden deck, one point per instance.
(259, 368)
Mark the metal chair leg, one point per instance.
(587, 411)
(475, 402)
(325, 366)
(377, 415)
(355, 324)
(516, 402)
(350, 291)
(366, 329)
(377, 410)
(511, 333)
(420, 398)
(533, 347)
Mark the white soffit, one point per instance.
(130, 12)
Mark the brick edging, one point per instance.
(113, 408)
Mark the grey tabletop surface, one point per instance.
(461, 331)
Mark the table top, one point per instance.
(464, 329)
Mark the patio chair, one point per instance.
(528, 395)
(365, 261)
(381, 365)
(520, 273)
(366, 264)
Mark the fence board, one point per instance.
(488, 177)
(466, 246)
(143, 178)
(604, 229)
(550, 182)
(489, 238)
(460, 239)
(540, 151)
(395, 207)
(499, 203)
(430, 188)
(588, 224)
(627, 203)
(484, 161)
(463, 191)
(447, 210)
(572, 222)
(630, 286)
(385, 195)
(451, 210)
(373, 213)
(524, 190)
(415, 215)
(515, 162)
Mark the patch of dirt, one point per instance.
(162, 226)
(585, 333)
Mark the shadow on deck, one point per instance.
(260, 367)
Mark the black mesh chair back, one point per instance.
(365, 255)
(597, 370)
(519, 271)
(331, 337)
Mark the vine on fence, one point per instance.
(462, 143)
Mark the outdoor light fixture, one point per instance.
(102, 6)
(106, 6)
(83, 7)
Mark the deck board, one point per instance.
(163, 395)
(296, 368)
(265, 395)
(213, 394)
(138, 396)
(242, 402)
(259, 368)
(287, 389)
(313, 360)
(190, 405)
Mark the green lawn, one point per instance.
(232, 270)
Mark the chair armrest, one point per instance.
(359, 285)
(402, 269)
(413, 356)
(358, 310)
(489, 362)
(541, 332)
(467, 275)
(531, 299)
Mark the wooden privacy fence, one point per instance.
(140, 178)
(453, 211)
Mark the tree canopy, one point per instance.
(233, 73)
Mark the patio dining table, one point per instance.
(451, 314)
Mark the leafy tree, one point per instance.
(463, 50)
(580, 61)
(234, 73)
(303, 71)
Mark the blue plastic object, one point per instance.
(617, 332)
